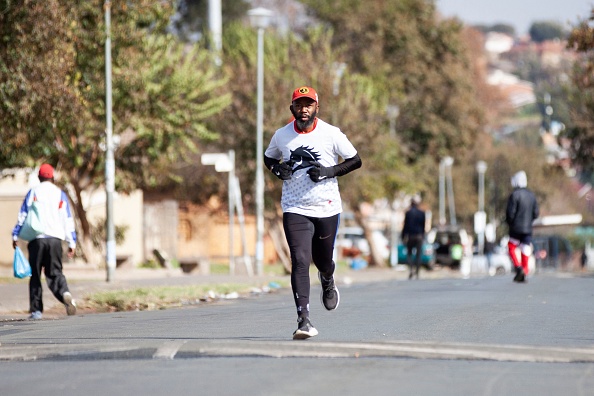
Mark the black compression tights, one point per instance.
(309, 238)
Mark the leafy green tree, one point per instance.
(498, 28)
(53, 92)
(546, 30)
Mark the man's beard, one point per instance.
(303, 125)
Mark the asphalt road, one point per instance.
(477, 336)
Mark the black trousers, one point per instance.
(309, 238)
(45, 253)
(414, 243)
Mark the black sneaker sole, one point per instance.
(322, 295)
(304, 335)
(519, 275)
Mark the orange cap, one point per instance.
(305, 92)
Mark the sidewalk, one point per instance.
(83, 281)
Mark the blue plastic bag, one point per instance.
(21, 266)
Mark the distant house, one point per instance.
(498, 43)
(519, 92)
(551, 53)
(554, 52)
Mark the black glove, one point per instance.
(318, 172)
(283, 171)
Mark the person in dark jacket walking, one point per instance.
(413, 234)
(522, 209)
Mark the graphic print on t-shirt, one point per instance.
(303, 157)
(324, 145)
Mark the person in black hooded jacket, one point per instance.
(413, 233)
(522, 209)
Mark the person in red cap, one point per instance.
(45, 249)
(305, 154)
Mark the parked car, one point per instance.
(427, 255)
(351, 241)
(501, 263)
(451, 244)
(551, 251)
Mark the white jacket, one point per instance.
(54, 213)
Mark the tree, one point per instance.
(52, 87)
(546, 30)
(581, 133)
(503, 28)
(498, 28)
(421, 60)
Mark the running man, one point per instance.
(305, 155)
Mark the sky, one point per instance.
(518, 13)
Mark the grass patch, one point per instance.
(154, 298)
(269, 269)
(10, 280)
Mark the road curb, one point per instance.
(188, 349)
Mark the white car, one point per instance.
(501, 263)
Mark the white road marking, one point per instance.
(168, 350)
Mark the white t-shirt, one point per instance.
(324, 144)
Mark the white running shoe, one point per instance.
(69, 303)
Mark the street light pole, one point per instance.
(339, 68)
(548, 110)
(110, 243)
(393, 112)
(442, 215)
(481, 167)
(446, 164)
(260, 18)
(450, 184)
(215, 25)
(232, 200)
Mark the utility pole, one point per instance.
(215, 25)
(481, 215)
(110, 242)
(260, 18)
(446, 165)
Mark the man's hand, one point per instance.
(70, 252)
(318, 172)
(14, 244)
(283, 171)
